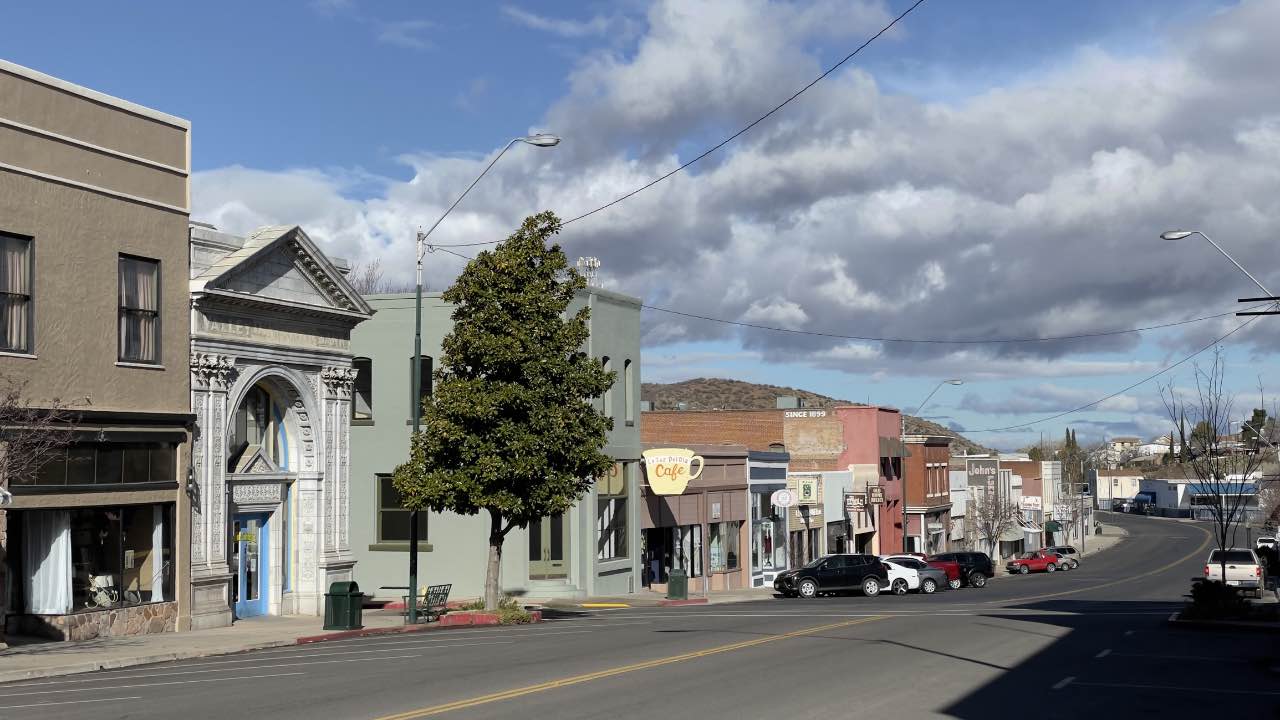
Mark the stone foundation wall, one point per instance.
(119, 622)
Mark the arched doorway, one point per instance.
(262, 446)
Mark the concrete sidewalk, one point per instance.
(27, 658)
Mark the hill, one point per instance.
(725, 394)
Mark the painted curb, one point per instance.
(677, 603)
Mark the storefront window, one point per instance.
(686, 541)
(815, 539)
(723, 547)
(94, 558)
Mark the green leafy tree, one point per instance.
(510, 429)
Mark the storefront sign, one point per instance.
(875, 495)
(1031, 502)
(245, 536)
(1061, 512)
(782, 498)
(855, 502)
(669, 470)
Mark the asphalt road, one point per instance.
(1091, 643)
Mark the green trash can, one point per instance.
(678, 585)
(344, 606)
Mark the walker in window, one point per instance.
(103, 593)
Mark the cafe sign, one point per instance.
(669, 470)
(855, 502)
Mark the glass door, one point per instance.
(548, 538)
(249, 562)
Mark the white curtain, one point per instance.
(157, 556)
(139, 309)
(15, 293)
(46, 559)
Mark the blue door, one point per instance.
(249, 558)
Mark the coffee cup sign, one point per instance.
(669, 470)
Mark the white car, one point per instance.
(1243, 569)
(901, 579)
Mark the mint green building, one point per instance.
(592, 550)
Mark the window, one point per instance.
(424, 364)
(139, 310)
(96, 558)
(814, 540)
(607, 406)
(724, 546)
(686, 541)
(15, 294)
(393, 518)
(258, 423)
(611, 514)
(627, 378)
(110, 464)
(362, 392)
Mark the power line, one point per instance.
(1147, 379)
(934, 341)
(737, 134)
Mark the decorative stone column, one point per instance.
(336, 559)
(211, 577)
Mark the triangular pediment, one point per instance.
(254, 461)
(281, 263)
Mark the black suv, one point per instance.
(834, 573)
(975, 567)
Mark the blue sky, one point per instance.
(905, 196)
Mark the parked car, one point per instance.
(950, 567)
(975, 567)
(1067, 552)
(1244, 569)
(834, 573)
(1038, 561)
(909, 573)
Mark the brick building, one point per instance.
(928, 489)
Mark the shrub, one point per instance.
(1214, 600)
(511, 612)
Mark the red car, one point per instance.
(1034, 562)
(950, 567)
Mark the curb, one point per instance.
(678, 603)
(1175, 620)
(448, 620)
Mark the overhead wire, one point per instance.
(734, 136)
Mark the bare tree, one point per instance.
(30, 436)
(993, 514)
(368, 278)
(1220, 473)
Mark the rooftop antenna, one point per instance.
(590, 269)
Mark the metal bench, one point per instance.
(433, 602)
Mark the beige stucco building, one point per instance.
(94, 197)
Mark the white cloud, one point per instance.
(404, 33)
(776, 310)
(597, 25)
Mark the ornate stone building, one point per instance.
(271, 380)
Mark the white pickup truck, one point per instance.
(1244, 569)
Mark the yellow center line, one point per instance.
(611, 672)
(1208, 538)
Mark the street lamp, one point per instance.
(1180, 234)
(902, 469)
(537, 140)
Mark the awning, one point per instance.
(1013, 534)
(1053, 526)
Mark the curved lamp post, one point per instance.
(1172, 235)
(903, 467)
(538, 140)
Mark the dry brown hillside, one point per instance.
(725, 394)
